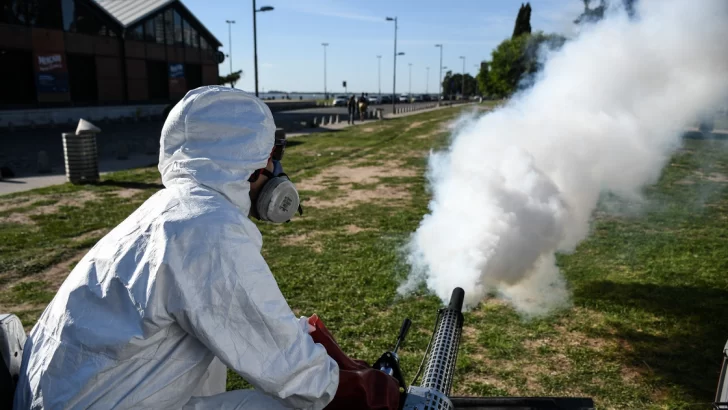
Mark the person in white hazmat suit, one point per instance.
(151, 317)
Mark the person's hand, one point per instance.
(306, 325)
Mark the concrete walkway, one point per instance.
(58, 177)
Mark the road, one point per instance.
(343, 110)
(291, 120)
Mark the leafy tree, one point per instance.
(523, 21)
(453, 84)
(483, 79)
(517, 58)
(231, 78)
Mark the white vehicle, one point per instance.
(404, 98)
(373, 100)
(340, 101)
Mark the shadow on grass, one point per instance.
(130, 184)
(685, 349)
(293, 143)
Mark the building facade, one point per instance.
(71, 53)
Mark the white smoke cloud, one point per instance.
(607, 111)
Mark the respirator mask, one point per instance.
(278, 199)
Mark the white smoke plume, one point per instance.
(605, 113)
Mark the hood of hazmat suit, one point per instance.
(153, 314)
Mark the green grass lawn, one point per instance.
(650, 291)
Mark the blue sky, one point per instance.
(291, 58)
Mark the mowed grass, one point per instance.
(649, 286)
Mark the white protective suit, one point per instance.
(151, 316)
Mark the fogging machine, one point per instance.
(433, 392)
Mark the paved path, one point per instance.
(57, 176)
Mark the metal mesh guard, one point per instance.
(422, 398)
(441, 363)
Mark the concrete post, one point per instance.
(331, 120)
(338, 119)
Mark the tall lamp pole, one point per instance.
(394, 79)
(326, 93)
(255, 40)
(409, 91)
(463, 90)
(439, 79)
(427, 81)
(230, 42)
(379, 71)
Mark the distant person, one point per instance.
(362, 106)
(352, 109)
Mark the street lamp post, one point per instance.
(394, 79)
(230, 42)
(255, 41)
(409, 91)
(326, 93)
(427, 81)
(379, 74)
(439, 79)
(463, 90)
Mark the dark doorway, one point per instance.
(193, 75)
(158, 78)
(17, 79)
(82, 79)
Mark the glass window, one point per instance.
(178, 29)
(195, 40)
(169, 26)
(149, 30)
(159, 28)
(86, 21)
(188, 33)
(44, 13)
(69, 10)
(203, 43)
(13, 12)
(136, 33)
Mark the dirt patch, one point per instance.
(368, 129)
(347, 175)
(57, 273)
(20, 202)
(98, 233)
(713, 177)
(685, 181)
(23, 217)
(306, 239)
(353, 196)
(353, 229)
(419, 124)
(127, 192)
(53, 277)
